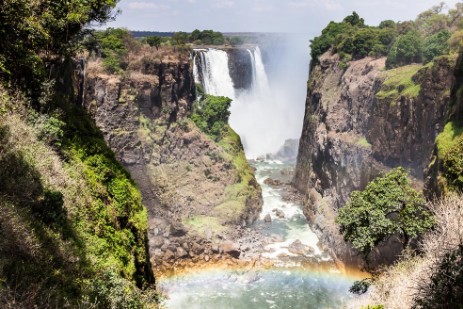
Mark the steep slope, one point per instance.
(360, 121)
(199, 193)
(73, 226)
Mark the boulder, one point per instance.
(297, 247)
(197, 248)
(268, 218)
(231, 249)
(169, 255)
(181, 253)
(177, 230)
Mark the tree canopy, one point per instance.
(403, 43)
(35, 33)
(388, 206)
(154, 41)
(211, 115)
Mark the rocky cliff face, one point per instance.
(360, 121)
(187, 180)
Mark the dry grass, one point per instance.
(399, 284)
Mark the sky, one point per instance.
(295, 16)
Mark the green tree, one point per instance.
(154, 41)
(111, 44)
(436, 45)
(179, 38)
(354, 20)
(211, 115)
(38, 34)
(387, 24)
(388, 206)
(407, 49)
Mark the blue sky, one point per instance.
(300, 16)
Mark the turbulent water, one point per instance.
(306, 279)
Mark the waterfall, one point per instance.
(261, 76)
(261, 114)
(215, 73)
(196, 70)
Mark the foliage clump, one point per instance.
(421, 40)
(211, 115)
(387, 206)
(450, 148)
(37, 34)
(207, 37)
(114, 46)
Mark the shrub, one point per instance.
(407, 49)
(436, 45)
(211, 115)
(450, 147)
(51, 209)
(388, 206)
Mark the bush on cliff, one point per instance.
(450, 148)
(388, 206)
(211, 115)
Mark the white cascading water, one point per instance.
(216, 74)
(256, 114)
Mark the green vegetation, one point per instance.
(154, 41)
(206, 37)
(114, 46)
(37, 34)
(75, 226)
(388, 206)
(363, 142)
(429, 36)
(436, 45)
(238, 194)
(407, 48)
(352, 39)
(211, 115)
(450, 148)
(399, 82)
(203, 224)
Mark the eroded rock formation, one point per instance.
(358, 124)
(186, 179)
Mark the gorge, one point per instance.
(185, 171)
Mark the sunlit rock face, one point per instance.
(354, 129)
(182, 173)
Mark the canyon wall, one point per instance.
(361, 120)
(192, 185)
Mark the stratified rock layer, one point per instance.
(183, 175)
(352, 133)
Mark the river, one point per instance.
(302, 276)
